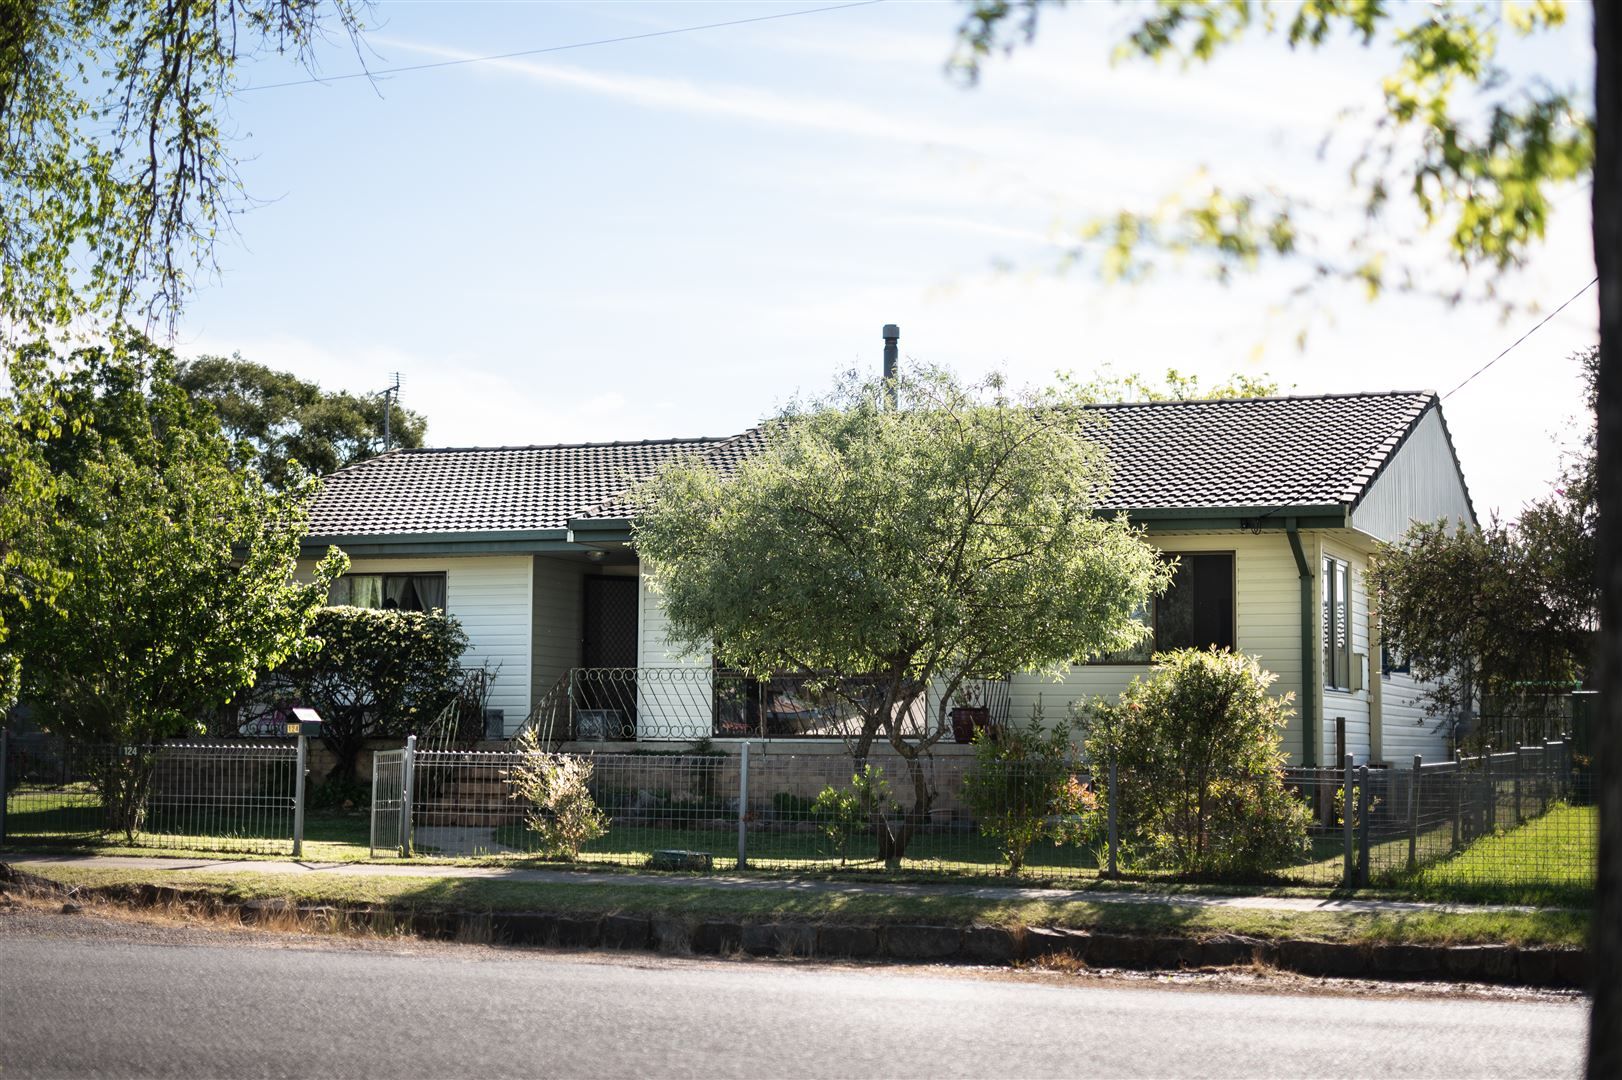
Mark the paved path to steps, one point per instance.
(180, 868)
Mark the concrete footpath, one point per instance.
(180, 868)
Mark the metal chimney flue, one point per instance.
(892, 350)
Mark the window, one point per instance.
(1196, 612)
(1337, 624)
(407, 592)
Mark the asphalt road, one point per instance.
(94, 1006)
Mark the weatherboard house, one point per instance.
(1274, 507)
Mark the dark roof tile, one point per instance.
(1175, 455)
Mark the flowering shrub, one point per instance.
(562, 813)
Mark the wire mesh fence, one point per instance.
(1519, 819)
(187, 796)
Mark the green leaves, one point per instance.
(955, 533)
(116, 178)
(176, 582)
(285, 427)
(1199, 757)
(1478, 151)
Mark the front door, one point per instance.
(606, 691)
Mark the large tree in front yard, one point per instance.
(179, 568)
(895, 537)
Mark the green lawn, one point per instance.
(1547, 861)
(690, 897)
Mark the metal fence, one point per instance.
(240, 797)
(1515, 819)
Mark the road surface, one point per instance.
(148, 1003)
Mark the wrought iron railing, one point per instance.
(624, 704)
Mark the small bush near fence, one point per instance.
(1199, 757)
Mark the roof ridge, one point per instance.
(1274, 397)
(712, 439)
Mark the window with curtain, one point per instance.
(405, 592)
(1337, 624)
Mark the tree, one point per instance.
(116, 173)
(1476, 153)
(1505, 614)
(1106, 386)
(373, 672)
(181, 567)
(28, 576)
(1199, 756)
(1498, 616)
(276, 419)
(879, 545)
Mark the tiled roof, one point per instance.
(1285, 451)
(1176, 455)
(484, 489)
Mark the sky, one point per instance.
(673, 236)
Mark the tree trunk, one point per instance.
(1605, 1025)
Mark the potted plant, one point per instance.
(969, 713)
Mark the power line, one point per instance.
(1520, 339)
(554, 48)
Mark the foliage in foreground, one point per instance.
(1198, 748)
(562, 814)
(178, 568)
(1023, 789)
(898, 535)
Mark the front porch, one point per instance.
(685, 704)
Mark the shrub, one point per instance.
(1023, 789)
(562, 813)
(1199, 763)
(842, 813)
(371, 671)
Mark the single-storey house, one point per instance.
(1274, 507)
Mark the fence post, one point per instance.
(1114, 829)
(408, 769)
(371, 814)
(1519, 817)
(1347, 819)
(298, 797)
(1457, 774)
(1363, 825)
(4, 752)
(743, 807)
(1413, 815)
(1491, 790)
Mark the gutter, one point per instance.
(1309, 696)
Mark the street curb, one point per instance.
(906, 942)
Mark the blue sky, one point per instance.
(672, 236)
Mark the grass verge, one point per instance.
(1535, 928)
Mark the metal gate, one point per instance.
(391, 801)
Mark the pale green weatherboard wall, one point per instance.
(490, 595)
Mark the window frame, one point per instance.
(1156, 645)
(384, 575)
(1337, 590)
